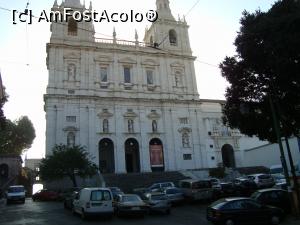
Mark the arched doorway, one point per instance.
(132, 156)
(228, 156)
(156, 155)
(4, 171)
(106, 156)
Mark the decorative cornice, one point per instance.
(129, 114)
(105, 114)
(153, 115)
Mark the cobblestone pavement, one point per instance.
(44, 213)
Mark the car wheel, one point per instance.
(275, 220)
(83, 216)
(229, 222)
(168, 211)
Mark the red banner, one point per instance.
(156, 156)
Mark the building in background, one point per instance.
(134, 105)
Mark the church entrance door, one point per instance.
(132, 156)
(228, 156)
(156, 155)
(106, 156)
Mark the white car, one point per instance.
(93, 202)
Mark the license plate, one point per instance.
(135, 208)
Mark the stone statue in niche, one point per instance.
(185, 140)
(71, 72)
(130, 126)
(154, 126)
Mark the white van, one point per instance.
(15, 194)
(93, 201)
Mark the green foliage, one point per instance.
(2, 117)
(16, 136)
(67, 162)
(266, 67)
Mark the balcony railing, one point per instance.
(120, 42)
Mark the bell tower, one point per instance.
(167, 32)
(71, 30)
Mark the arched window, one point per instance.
(154, 126)
(186, 140)
(105, 126)
(173, 37)
(71, 139)
(130, 126)
(72, 27)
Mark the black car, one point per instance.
(273, 197)
(231, 211)
(244, 187)
(227, 189)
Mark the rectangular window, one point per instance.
(127, 75)
(184, 120)
(187, 156)
(103, 74)
(149, 77)
(71, 119)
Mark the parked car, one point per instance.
(194, 189)
(175, 195)
(68, 200)
(67, 193)
(231, 211)
(130, 204)
(93, 202)
(262, 180)
(278, 178)
(216, 183)
(15, 194)
(45, 195)
(160, 186)
(115, 192)
(273, 197)
(244, 186)
(157, 202)
(227, 189)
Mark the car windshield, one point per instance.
(255, 195)
(158, 197)
(131, 198)
(265, 176)
(218, 204)
(279, 176)
(15, 189)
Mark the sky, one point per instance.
(213, 27)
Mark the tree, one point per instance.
(67, 162)
(2, 117)
(266, 68)
(16, 136)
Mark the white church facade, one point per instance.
(134, 105)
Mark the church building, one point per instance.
(134, 105)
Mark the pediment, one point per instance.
(153, 115)
(103, 58)
(184, 130)
(130, 114)
(70, 129)
(127, 60)
(72, 55)
(177, 64)
(105, 114)
(150, 62)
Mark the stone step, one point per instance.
(128, 182)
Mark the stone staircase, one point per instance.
(128, 182)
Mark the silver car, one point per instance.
(157, 202)
(130, 204)
(175, 195)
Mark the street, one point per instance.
(42, 213)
